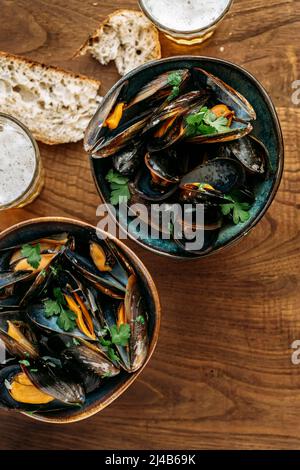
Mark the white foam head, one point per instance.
(186, 15)
(17, 161)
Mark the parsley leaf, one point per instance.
(33, 254)
(112, 355)
(57, 292)
(67, 320)
(205, 122)
(24, 362)
(52, 308)
(120, 336)
(175, 80)
(118, 186)
(107, 344)
(238, 210)
(140, 319)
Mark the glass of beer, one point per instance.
(186, 21)
(21, 173)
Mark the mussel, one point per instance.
(75, 314)
(17, 336)
(38, 387)
(104, 268)
(117, 122)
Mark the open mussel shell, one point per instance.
(37, 314)
(43, 279)
(120, 138)
(50, 378)
(103, 268)
(48, 392)
(93, 133)
(223, 174)
(90, 358)
(225, 94)
(137, 318)
(178, 107)
(9, 375)
(143, 188)
(78, 301)
(251, 153)
(236, 131)
(17, 336)
(164, 168)
(159, 88)
(11, 278)
(13, 259)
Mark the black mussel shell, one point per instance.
(223, 174)
(251, 153)
(144, 187)
(127, 161)
(52, 380)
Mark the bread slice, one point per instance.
(54, 104)
(127, 37)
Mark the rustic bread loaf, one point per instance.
(127, 37)
(54, 104)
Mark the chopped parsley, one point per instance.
(205, 122)
(66, 318)
(239, 211)
(120, 335)
(140, 319)
(175, 80)
(118, 186)
(33, 254)
(24, 362)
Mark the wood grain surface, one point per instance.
(222, 375)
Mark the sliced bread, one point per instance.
(54, 104)
(127, 37)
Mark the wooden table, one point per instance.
(222, 376)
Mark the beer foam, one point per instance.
(17, 161)
(186, 15)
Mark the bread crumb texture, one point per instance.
(54, 104)
(128, 38)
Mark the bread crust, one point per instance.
(95, 36)
(32, 63)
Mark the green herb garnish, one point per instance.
(140, 319)
(205, 122)
(118, 186)
(33, 254)
(237, 209)
(66, 318)
(120, 335)
(108, 347)
(24, 362)
(175, 80)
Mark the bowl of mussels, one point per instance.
(187, 131)
(79, 319)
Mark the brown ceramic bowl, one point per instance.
(114, 387)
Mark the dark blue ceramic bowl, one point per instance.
(266, 128)
(114, 387)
